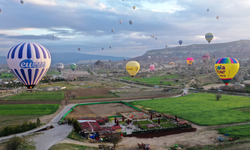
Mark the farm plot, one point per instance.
(203, 109)
(153, 80)
(240, 130)
(38, 95)
(16, 114)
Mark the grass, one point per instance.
(152, 80)
(167, 125)
(75, 136)
(202, 109)
(144, 122)
(144, 127)
(52, 73)
(66, 146)
(7, 75)
(38, 95)
(28, 109)
(161, 120)
(6, 120)
(240, 130)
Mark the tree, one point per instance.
(107, 73)
(115, 139)
(38, 122)
(218, 96)
(14, 143)
(77, 126)
(88, 70)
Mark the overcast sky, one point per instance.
(87, 24)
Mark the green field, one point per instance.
(7, 75)
(203, 109)
(152, 80)
(66, 146)
(38, 95)
(53, 73)
(28, 109)
(240, 130)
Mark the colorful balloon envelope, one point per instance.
(209, 37)
(171, 63)
(73, 66)
(205, 58)
(130, 22)
(29, 62)
(0, 10)
(132, 67)
(226, 68)
(134, 7)
(189, 61)
(217, 17)
(152, 67)
(79, 49)
(120, 21)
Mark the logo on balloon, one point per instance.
(220, 69)
(27, 63)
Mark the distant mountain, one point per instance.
(238, 49)
(67, 58)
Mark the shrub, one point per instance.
(218, 96)
(14, 143)
(38, 122)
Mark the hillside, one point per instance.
(238, 49)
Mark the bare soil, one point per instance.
(7, 102)
(100, 110)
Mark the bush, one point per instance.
(77, 126)
(38, 122)
(14, 143)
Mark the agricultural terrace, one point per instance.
(38, 95)
(152, 80)
(239, 130)
(7, 75)
(14, 114)
(203, 109)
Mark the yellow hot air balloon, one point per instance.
(132, 67)
(134, 7)
(189, 60)
(226, 68)
(171, 63)
(209, 37)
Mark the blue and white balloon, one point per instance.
(29, 62)
(180, 42)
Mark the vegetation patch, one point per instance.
(161, 120)
(7, 75)
(28, 109)
(152, 80)
(66, 146)
(240, 130)
(38, 95)
(166, 125)
(202, 109)
(144, 122)
(75, 136)
(95, 96)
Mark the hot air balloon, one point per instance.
(166, 46)
(73, 66)
(156, 38)
(130, 22)
(180, 42)
(132, 67)
(205, 58)
(53, 36)
(149, 57)
(79, 48)
(21, 1)
(189, 61)
(120, 21)
(59, 67)
(207, 10)
(0, 10)
(124, 59)
(209, 37)
(152, 67)
(152, 36)
(171, 63)
(110, 47)
(112, 30)
(102, 48)
(217, 17)
(29, 62)
(134, 7)
(226, 68)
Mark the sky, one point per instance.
(87, 24)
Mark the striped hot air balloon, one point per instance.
(29, 62)
(189, 61)
(209, 37)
